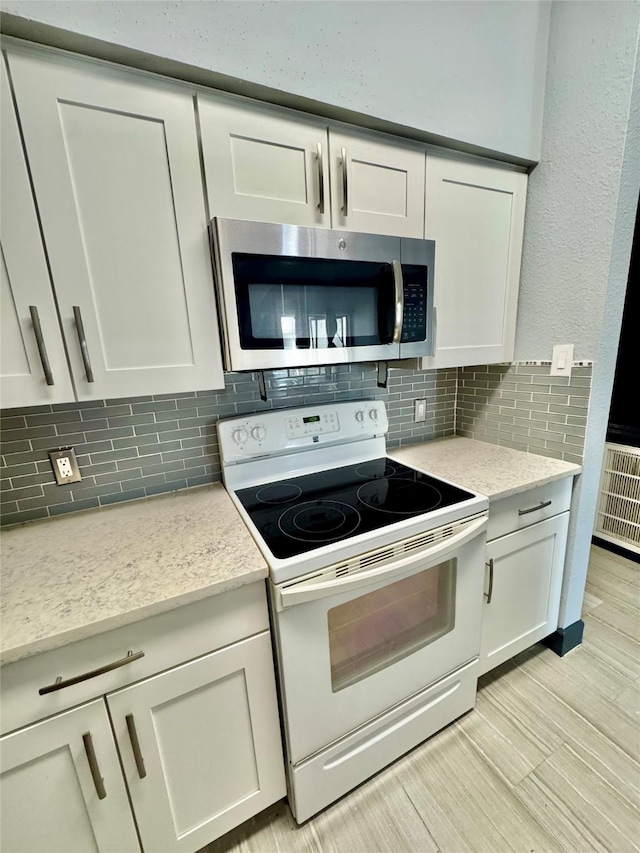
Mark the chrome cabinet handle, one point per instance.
(345, 183)
(59, 684)
(98, 781)
(44, 358)
(398, 285)
(489, 595)
(82, 338)
(541, 505)
(320, 177)
(135, 746)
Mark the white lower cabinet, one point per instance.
(522, 589)
(166, 751)
(62, 789)
(200, 747)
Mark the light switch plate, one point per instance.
(561, 360)
(65, 465)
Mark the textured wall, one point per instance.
(573, 194)
(472, 71)
(132, 448)
(523, 407)
(579, 227)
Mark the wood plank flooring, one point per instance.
(548, 762)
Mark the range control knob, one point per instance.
(258, 432)
(373, 414)
(240, 435)
(360, 416)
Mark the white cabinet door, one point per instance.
(33, 364)
(263, 164)
(50, 796)
(116, 172)
(522, 589)
(475, 213)
(376, 187)
(200, 745)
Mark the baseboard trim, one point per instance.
(565, 639)
(615, 549)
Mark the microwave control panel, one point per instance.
(415, 314)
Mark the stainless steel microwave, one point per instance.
(296, 297)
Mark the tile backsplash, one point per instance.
(524, 407)
(135, 447)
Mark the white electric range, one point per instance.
(376, 588)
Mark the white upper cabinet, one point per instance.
(475, 213)
(116, 173)
(376, 186)
(263, 164)
(33, 364)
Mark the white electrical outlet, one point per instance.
(65, 466)
(419, 410)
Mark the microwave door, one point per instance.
(297, 311)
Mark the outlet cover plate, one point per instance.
(64, 460)
(419, 410)
(562, 360)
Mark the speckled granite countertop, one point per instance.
(69, 578)
(496, 472)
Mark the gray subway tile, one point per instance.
(568, 410)
(135, 441)
(113, 455)
(52, 442)
(119, 497)
(20, 470)
(182, 395)
(21, 494)
(17, 411)
(55, 417)
(161, 488)
(10, 448)
(85, 426)
(11, 423)
(74, 506)
(105, 412)
(39, 479)
(579, 402)
(146, 429)
(153, 406)
(24, 515)
(119, 476)
(131, 420)
(92, 447)
(119, 401)
(556, 399)
(159, 447)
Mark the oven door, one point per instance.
(294, 296)
(351, 647)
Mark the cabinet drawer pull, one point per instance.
(489, 595)
(135, 745)
(320, 177)
(98, 781)
(82, 338)
(59, 684)
(42, 350)
(345, 183)
(541, 505)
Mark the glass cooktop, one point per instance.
(299, 514)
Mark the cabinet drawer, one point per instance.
(166, 640)
(519, 511)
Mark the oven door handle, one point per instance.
(305, 591)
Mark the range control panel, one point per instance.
(287, 430)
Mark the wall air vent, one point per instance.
(618, 515)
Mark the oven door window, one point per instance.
(312, 303)
(375, 630)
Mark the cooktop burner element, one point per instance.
(400, 496)
(319, 521)
(278, 493)
(302, 513)
(376, 469)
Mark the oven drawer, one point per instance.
(521, 510)
(348, 762)
(166, 640)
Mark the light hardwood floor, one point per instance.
(548, 761)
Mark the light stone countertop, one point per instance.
(494, 471)
(69, 578)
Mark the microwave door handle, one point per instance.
(304, 592)
(398, 286)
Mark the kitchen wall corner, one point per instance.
(522, 406)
